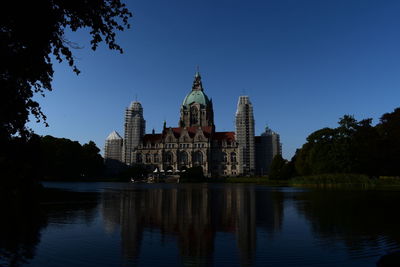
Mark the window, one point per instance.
(198, 158)
(168, 157)
(224, 157)
(233, 157)
(183, 158)
(148, 158)
(139, 158)
(155, 157)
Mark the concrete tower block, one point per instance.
(245, 135)
(135, 128)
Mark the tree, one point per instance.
(389, 147)
(281, 169)
(33, 31)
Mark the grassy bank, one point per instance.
(257, 180)
(323, 180)
(340, 179)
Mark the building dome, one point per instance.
(196, 96)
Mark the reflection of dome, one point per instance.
(196, 96)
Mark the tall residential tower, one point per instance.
(245, 135)
(135, 127)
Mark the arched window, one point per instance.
(198, 158)
(193, 115)
(168, 157)
(155, 157)
(148, 158)
(139, 158)
(224, 157)
(233, 157)
(183, 157)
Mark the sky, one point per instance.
(304, 64)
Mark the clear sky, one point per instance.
(303, 63)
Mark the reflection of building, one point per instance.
(195, 142)
(267, 145)
(194, 215)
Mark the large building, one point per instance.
(113, 151)
(267, 146)
(245, 135)
(195, 142)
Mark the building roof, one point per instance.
(228, 136)
(153, 138)
(207, 130)
(196, 96)
(114, 136)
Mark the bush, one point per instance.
(193, 174)
(333, 179)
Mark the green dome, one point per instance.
(196, 96)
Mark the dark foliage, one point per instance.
(281, 169)
(353, 147)
(136, 172)
(20, 161)
(33, 31)
(66, 159)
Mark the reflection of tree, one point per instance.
(194, 214)
(19, 234)
(362, 219)
(21, 223)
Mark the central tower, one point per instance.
(197, 109)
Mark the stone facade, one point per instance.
(195, 142)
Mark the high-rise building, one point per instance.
(113, 151)
(268, 145)
(245, 135)
(135, 127)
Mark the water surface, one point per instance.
(203, 225)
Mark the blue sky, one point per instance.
(304, 64)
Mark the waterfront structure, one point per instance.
(267, 146)
(245, 135)
(135, 128)
(195, 142)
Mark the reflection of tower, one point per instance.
(135, 127)
(245, 135)
(246, 224)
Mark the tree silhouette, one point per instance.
(33, 31)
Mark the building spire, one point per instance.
(197, 85)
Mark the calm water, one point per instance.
(203, 225)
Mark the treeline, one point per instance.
(354, 147)
(66, 159)
(25, 160)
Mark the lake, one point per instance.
(117, 224)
